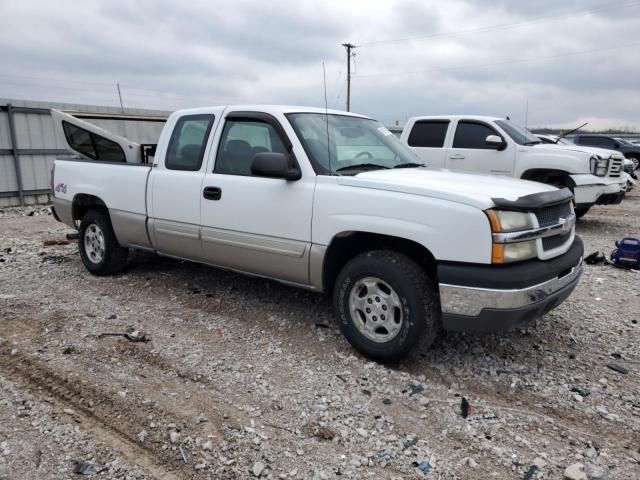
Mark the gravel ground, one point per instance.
(246, 378)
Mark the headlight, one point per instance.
(599, 166)
(503, 221)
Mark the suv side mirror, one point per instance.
(496, 142)
(274, 165)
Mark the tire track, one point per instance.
(98, 414)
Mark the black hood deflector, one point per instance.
(534, 201)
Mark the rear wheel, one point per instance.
(386, 305)
(99, 249)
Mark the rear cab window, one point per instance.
(188, 142)
(428, 133)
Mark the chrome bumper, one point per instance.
(470, 301)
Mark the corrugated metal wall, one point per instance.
(37, 145)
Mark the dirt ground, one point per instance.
(246, 378)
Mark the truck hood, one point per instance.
(601, 152)
(475, 190)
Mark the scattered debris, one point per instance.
(73, 236)
(466, 408)
(533, 469)
(387, 401)
(132, 334)
(415, 389)
(583, 392)
(184, 457)
(257, 469)
(50, 243)
(83, 468)
(424, 466)
(618, 368)
(575, 472)
(322, 325)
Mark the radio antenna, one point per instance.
(326, 116)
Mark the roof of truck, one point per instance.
(266, 109)
(456, 117)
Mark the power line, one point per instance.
(489, 28)
(508, 62)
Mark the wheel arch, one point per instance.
(549, 176)
(346, 245)
(83, 202)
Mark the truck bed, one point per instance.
(122, 186)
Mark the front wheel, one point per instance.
(99, 248)
(386, 305)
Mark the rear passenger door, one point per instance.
(470, 151)
(427, 140)
(175, 187)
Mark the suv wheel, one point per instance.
(99, 249)
(386, 305)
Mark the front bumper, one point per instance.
(482, 299)
(589, 189)
(611, 198)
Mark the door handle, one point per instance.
(212, 193)
(457, 156)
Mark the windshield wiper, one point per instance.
(410, 165)
(563, 135)
(361, 165)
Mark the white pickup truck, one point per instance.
(498, 146)
(328, 201)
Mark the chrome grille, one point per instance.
(556, 241)
(615, 167)
(551, 215)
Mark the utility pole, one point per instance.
(120, 96)
(349, 47)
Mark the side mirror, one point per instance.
(274, 165)
(496, 142)
(616, 145)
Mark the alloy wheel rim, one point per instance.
(94, 244)
(375, 309)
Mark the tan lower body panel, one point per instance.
(262, 255)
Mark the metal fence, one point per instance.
(28, 142)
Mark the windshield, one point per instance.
(519, 134)
(622, 141)
(355, 144)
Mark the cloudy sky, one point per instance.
(571, 61)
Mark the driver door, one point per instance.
(470, 151)
(255, 224)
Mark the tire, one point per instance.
(581, 212)
(99, 249)
(636, 162)
(383, 278)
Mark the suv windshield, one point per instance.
(354, 144)
(519, 134)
